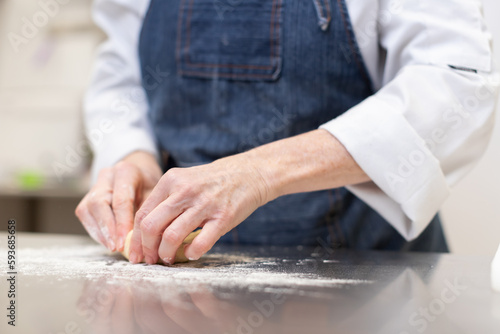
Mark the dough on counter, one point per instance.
(179, 256)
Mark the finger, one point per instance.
(99, 205)
(156, 196)
(210, 233)
(103, 305)
(147, 235)
(135, 253)
(154, 225)
(103, 215)
(212, 308)
(122, 320)
(148, 311)
(187, 318)
(181, 310)
(89, 223)
(87, 299)
(174, 235)
(126, 184)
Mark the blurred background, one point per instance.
(46, 54)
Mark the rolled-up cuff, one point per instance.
(408, 186)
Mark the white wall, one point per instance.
(42, 80)
(472, 214)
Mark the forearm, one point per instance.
(311, 161)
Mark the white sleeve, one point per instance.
(115, 106)
(429, 123)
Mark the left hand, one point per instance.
(216, 196)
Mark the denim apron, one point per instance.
(224, 76)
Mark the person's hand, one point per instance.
(216, 196)
(195, 308)
(106, 308)
(155, 307)
(107, 211)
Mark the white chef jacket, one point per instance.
(428, 123)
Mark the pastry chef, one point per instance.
(270, 122)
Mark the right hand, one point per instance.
(107, 211)
(156, 307)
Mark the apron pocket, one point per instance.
(238, 39)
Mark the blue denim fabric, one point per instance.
(225, 76)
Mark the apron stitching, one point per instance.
(179, 33)
(324, 19)
(328, 10)
(271, 28)
(271, 31)
(188, 31)
(351, 41)
(227, 75)
(278, 26)
(320, 8)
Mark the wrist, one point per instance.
(260, 172)
(146, 162)
(243, 168)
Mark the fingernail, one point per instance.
(120, 243)
(168, 260)
(111, 245)
(193, 258)
(149, 260)
(133, 258)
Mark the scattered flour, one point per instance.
(233, 271)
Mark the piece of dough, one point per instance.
(179, 255)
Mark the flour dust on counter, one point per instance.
(234, 270)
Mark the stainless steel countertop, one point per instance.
(68, 284)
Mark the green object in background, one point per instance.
(30, 180)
